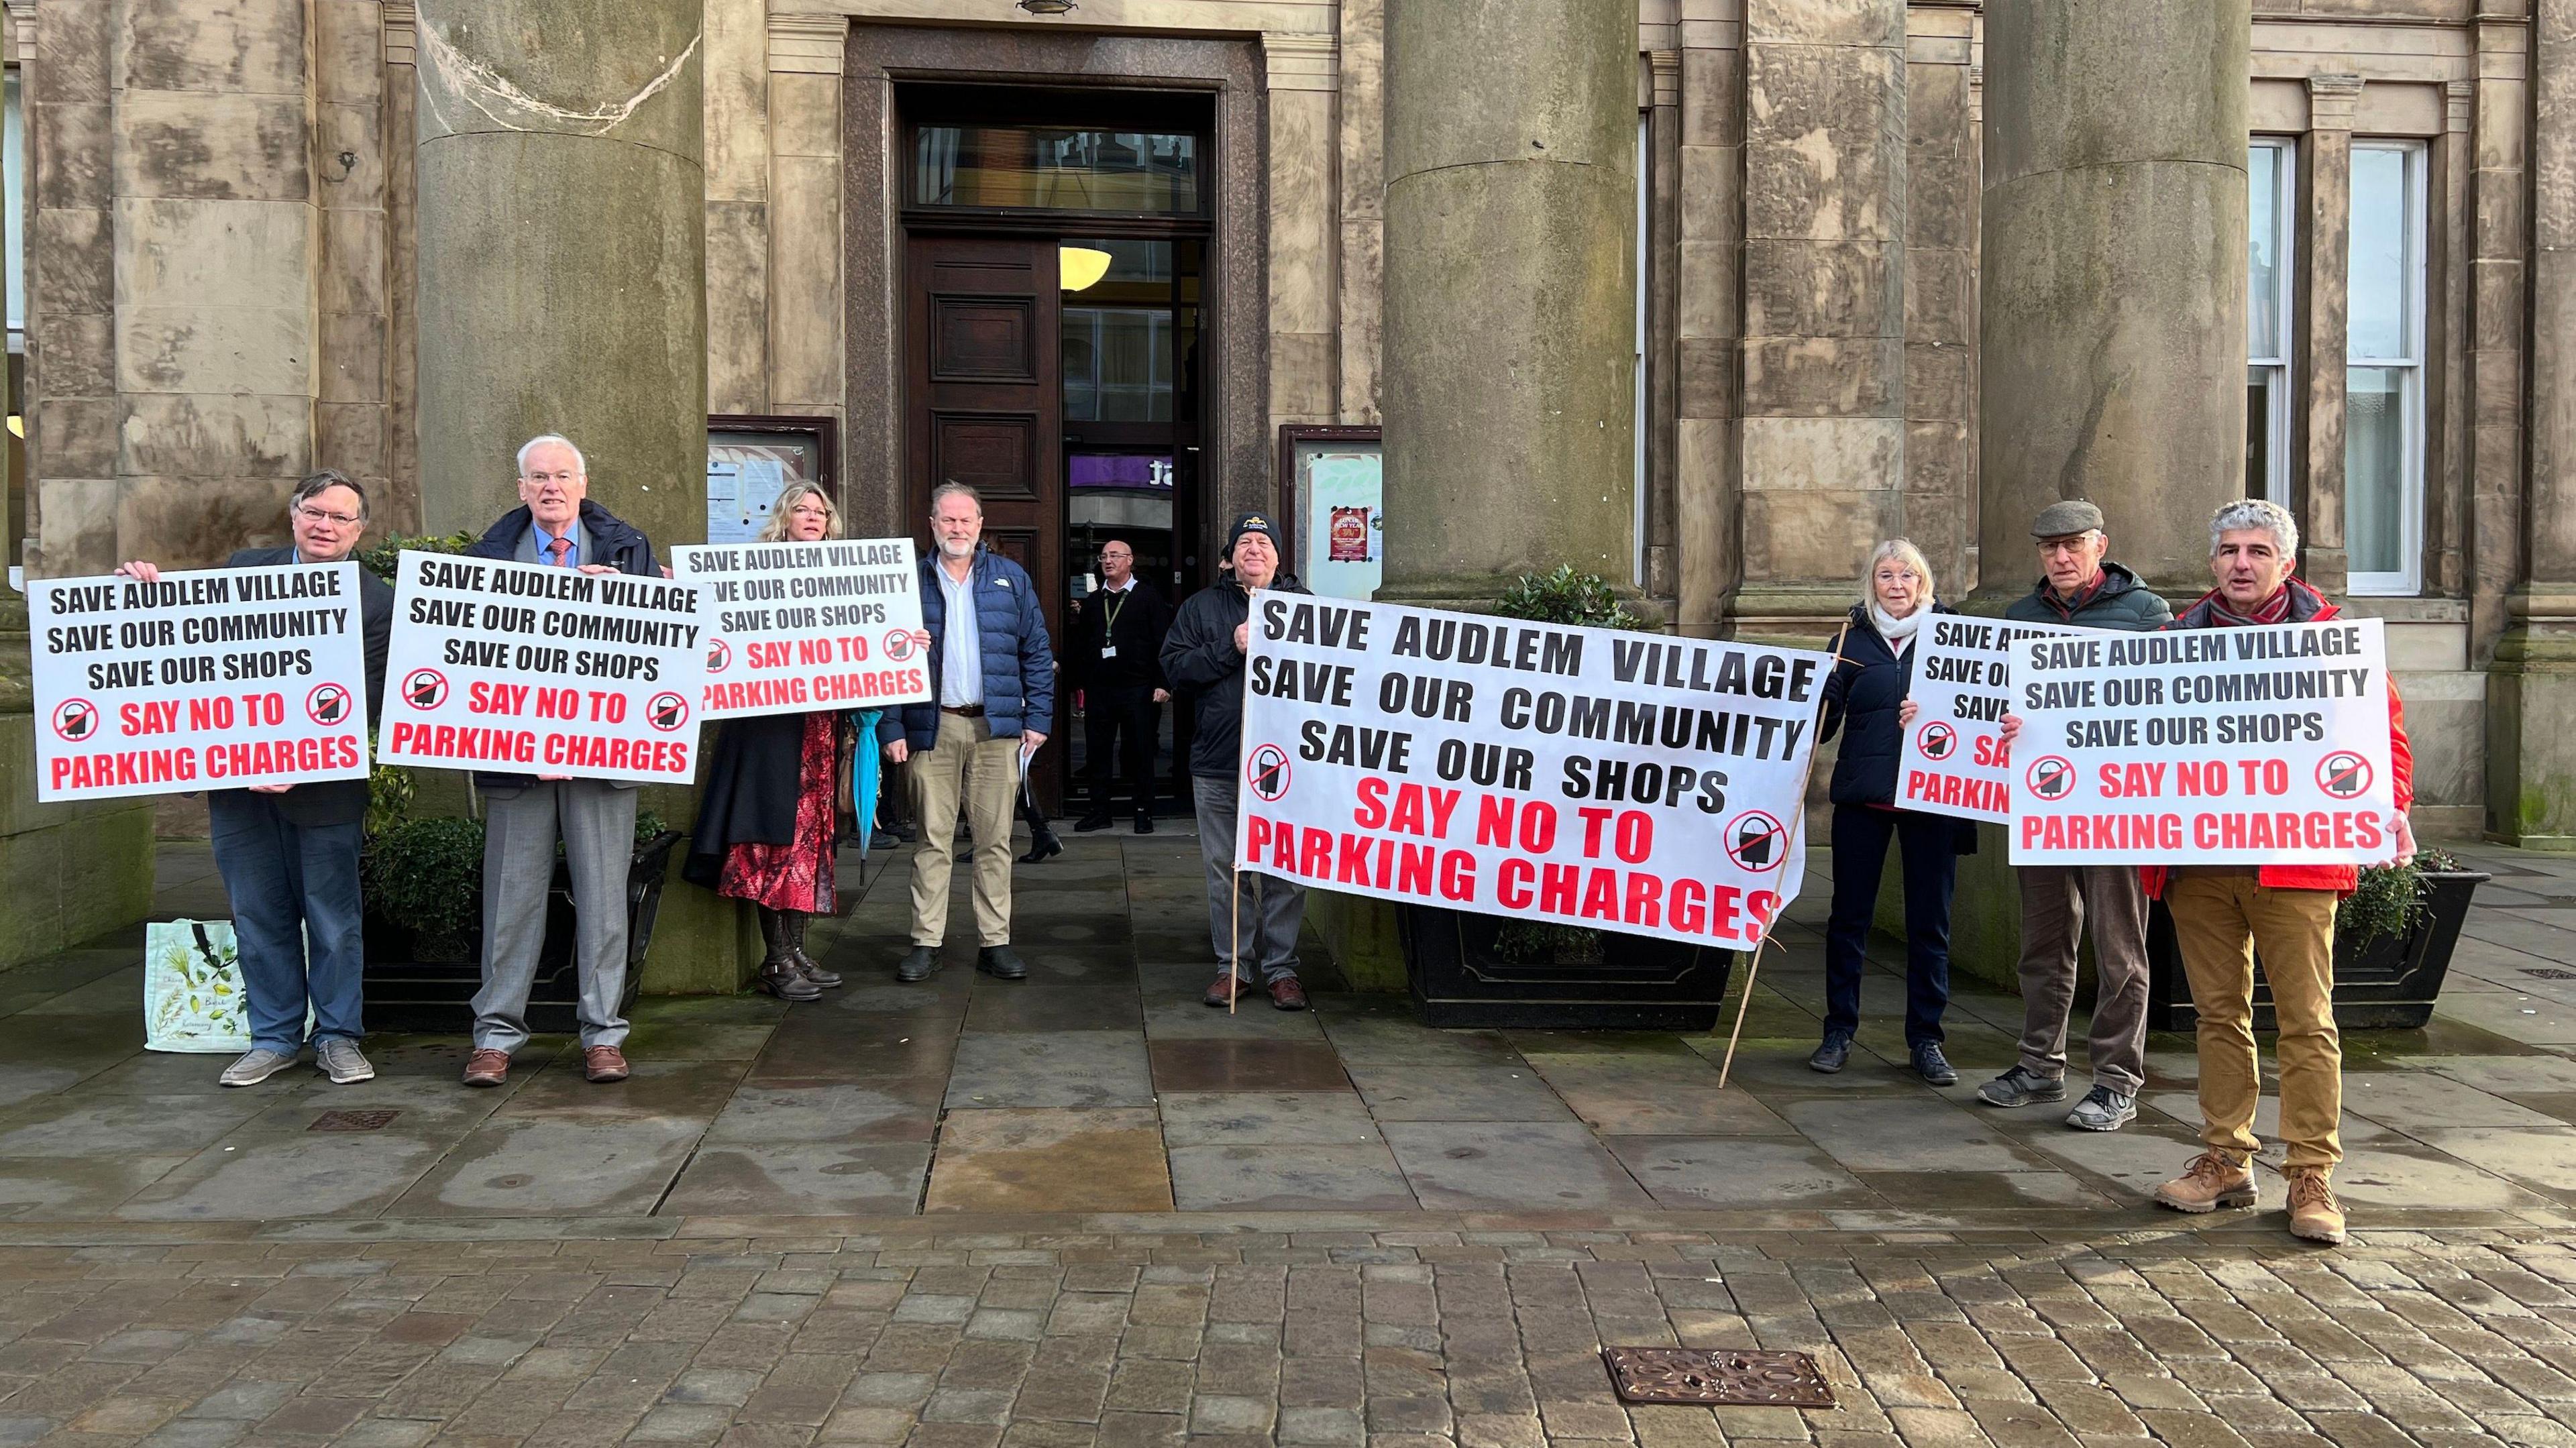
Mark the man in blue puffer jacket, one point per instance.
(994, 670)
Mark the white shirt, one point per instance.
(961, 642)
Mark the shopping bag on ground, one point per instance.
(192, 988)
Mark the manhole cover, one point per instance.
(2551, 974)
(373, 1119)
(1737, 1377)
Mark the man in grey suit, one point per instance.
(289, 853)
(524, 815)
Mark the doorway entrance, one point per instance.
(1055, 346)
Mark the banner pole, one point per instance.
(1797, 827)
(1234, 939)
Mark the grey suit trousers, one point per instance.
(596, 822)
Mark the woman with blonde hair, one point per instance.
(1865, 701)
(769, 828)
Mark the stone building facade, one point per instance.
(231, 281)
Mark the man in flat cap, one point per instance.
(2079, 585)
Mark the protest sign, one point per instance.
(219, 679)
(792, 627)
(2240, 746)
(1587, 777)
(519, 668)
(1955, 761)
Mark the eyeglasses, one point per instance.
(311, 514)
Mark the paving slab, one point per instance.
(1288, 1178)
(1735, 1172)
(1050, 1160)
(1916, 1133)
(803, 1179)
(1224, 1064)
(1472, 1165)
(877, 1109)
(1458, 1093)
(1273, 1118)
(2407, 1100)
(2542, 1159)
(1060, 1068)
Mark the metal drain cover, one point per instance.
(371, 1119)
(2550, 974)
(1726, 1377)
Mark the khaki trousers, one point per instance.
(2221, 918)
(969, 769)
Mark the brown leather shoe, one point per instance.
(1225, 992)
(603, 1064)
(1287, 994)
(487, 1067)
(2213, 1180)
(2315, 1215)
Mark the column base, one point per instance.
(2531, 754)
(1360, 932)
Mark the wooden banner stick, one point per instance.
(1797, 823)
(1234, 940)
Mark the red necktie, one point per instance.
(557, 547)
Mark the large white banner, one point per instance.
(1955, 762)
(218, 679)
(2240, 746)
(793, 627)
(1623, 781)
(519, 668)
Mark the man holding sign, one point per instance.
(289, 853)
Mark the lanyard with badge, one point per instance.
(1109, 611)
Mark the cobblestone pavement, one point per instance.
(1447, 1330)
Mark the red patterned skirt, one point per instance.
(796, 875)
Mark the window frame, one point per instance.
(2275, 369)
(2408, 579)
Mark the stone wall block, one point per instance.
(1302, 290)
(1547, 57)
(179, 349)
(639, 81)
(1712, 97)
(737, 306)
(355, 132)
(1822, 289)
(80, 519)
(1936, 113)
(354, 365)
(222, 253)
(1821, 534)
(1712, 192)
(1301, 376)
(1824, 22)
(1940, 199)
(1936, 382)
(195, 435)
(70, 155)
(215, 147)
(1816, 454)
(1939, 297)
(2156, 55)
(350, 436)
(737, 100)
(805, 114)
(72, 263)
(78, 353)
(1708, 368)
(805, 356)
(353, 262)
(1939, 470)
(72, 38)
(2499, 394)
(2495, 309)
(1711, 305)
(252, 47)
(349, 52)
(1822, 376)
(197, 522)
(1834, 166)
(75, 438)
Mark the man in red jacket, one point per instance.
(2224, 914)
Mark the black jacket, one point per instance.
(2122, 602)
(1199, 655)
(337, 801)
(755, 775)
(1864, 691)
(1143, 619)
(614, 542)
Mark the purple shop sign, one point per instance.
(1121, 470)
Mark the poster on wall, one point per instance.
(1334, 483)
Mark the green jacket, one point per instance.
(2121, 603)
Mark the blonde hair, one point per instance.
(788, 498)
(1903, 551)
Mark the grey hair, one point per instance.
(322, 482)
(1903, 551)
(2248, 514)
(559, 440)
(954, 489)
(788, 497)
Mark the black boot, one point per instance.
(778, 973)
(793, 924)
(1043, 843)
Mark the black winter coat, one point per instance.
(614, 542)
(1143, 619)
(1864, 691)
(2121, 603)
(754, 778)
(1199, 655)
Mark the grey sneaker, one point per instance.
(2021, 1086)
(2103, 1109)
(256, 1065)
(342, 1061)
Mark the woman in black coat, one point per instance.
(1875, 653)
(768, 831)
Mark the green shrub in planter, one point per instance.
(427, 877)
(2389, 899)
(380, 560)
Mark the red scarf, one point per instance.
(2083, 596)
(2275, 609)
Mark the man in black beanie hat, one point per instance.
(1204, 653)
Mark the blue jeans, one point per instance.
(1927, 845)
(293, 887)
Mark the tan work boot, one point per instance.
(2213, 1180)
(2315, 1215)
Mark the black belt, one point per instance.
(969, 711)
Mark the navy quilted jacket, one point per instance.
(1864, 693)
(1019, 659)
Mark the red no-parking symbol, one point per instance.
(2051, 777)
(1267, 771)
(1937, 741)
(899, 645)
(327, 705)
(2344, 775)
(667, 712)
(719, 654)
(425, 689)
(76, 720)
(1757, 842)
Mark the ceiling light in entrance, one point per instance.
(1046, 7)
(1078, 268)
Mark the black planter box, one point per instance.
(406, 993)
(2387, 983)
(1642, 982)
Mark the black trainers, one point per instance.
(918, 964)
(1001, 962)
(1932, 1066)
(2021, 1086)
(1833, 1055)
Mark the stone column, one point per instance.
(562, 216)
(1708, 501)
(1941, 296)
(1510, 301)
(1823, 372)
(2113, 275)
(2531, 756)
(2325, 284)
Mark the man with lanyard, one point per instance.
(1117, 663)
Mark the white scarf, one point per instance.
(1899, 632)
